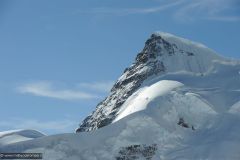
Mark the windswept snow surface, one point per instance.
(14, 136)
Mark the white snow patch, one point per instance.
(140, 100)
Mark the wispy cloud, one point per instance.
(127, 11)
(181, 10)
(47, 89)
(97, 86)
(60, 126)
(80, 91)
(207, 10)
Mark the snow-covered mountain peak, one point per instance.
(162, 54)
(167, 49)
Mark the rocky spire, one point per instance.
(144, 66)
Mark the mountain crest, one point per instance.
(162, 53)
(154, 47)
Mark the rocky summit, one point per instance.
(162, 53)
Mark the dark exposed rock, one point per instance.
(135, 152)
(190, 53)
(104, 122)
(142, 58)
(182, 123)
(193, 128)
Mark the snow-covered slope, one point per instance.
(140, 99)
(14, 136)
(187, 118)
(178, 100)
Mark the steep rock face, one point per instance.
(162, 53)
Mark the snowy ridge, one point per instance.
(186, 44)
(199, 58)
(14, 136)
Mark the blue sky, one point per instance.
(58, 59)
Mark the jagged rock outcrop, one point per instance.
(145, 65)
